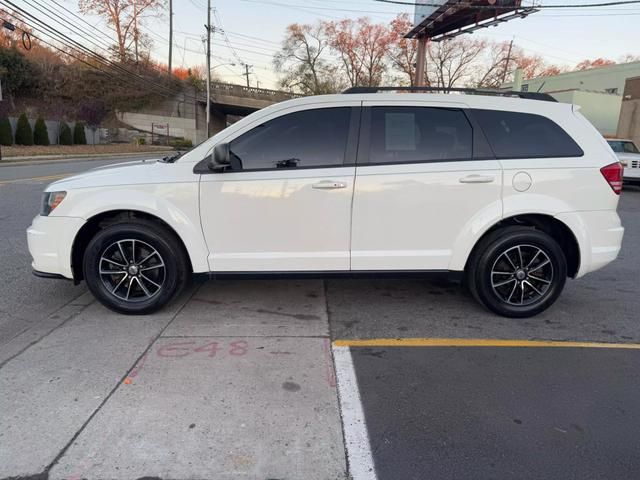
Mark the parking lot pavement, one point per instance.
(469, 412)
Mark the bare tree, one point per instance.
(362, 48)
(302, 61)
(453, 62)
(125, 16)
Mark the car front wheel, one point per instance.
(517, 272)
(134, 268)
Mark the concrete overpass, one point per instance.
(237, 100)
(186, 117)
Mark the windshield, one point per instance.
(620, 146)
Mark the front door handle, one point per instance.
(477, 179)
(328, 185)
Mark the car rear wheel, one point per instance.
(517, 272)
(134, 268)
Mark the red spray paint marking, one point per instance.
(236, 348)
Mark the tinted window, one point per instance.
(524, 135)
(311, 138)
(620, 146)
(419, 134)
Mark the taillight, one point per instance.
(613, 175)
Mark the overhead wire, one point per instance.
(75, 45)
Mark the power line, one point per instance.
(497, 7)
(73, 44)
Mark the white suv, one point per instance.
(512, 195)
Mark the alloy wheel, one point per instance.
(522, 275)
(132, 270)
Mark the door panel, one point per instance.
(408, 217)
(277, 221)
(418, 187)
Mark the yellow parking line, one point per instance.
(48, 177)
(475, 342)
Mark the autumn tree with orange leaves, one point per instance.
(402, 52)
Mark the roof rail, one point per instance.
(472, 91)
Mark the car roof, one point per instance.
(471, 101)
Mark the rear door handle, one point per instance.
(477, 179)
(328, 185)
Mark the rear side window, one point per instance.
(525, 135)
(419, 134)
(309, 138)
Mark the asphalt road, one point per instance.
(24, 299)
(86, 393)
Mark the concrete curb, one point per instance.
(44, 159)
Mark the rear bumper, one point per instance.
(50, 240)
(631, 174)
(599, 235)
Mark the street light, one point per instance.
(223, 65)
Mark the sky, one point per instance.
(255, 28)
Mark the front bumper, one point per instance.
(50, 241)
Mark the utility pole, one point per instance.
(208, 26)
(246, 73)
(170, 35)
(135, 28)
(506, 63)
(421, 55)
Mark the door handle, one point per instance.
(477, 179)
(328, 185)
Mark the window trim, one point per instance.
(350, 150)
(479, 143)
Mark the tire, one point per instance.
(142, 281)
(509, 286)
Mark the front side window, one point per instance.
(525, 135)
(419, 134)
(310, 138)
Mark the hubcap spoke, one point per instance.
(500, 284)
(114, 262)
(119, 283)
(148, 257)
(531, 286)
(144, 289)
(546, 262)
(124, 257)
(152, 268)
(157, 285)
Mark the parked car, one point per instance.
(512, 195)
(629, 156)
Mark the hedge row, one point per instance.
(39, 135)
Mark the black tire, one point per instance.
(489, 270)
(138, 294)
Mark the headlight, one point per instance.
(50, 200)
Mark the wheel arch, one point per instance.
(111, 217)
(555, 228)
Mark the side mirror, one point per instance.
(219, 160)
